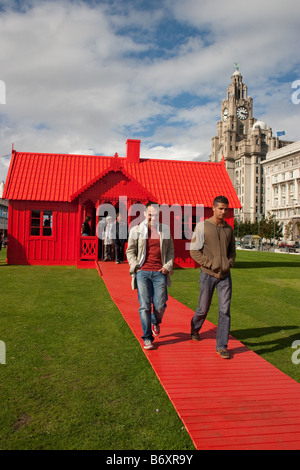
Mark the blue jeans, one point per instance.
(224, 290)
(152, 288)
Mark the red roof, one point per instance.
(57, 177)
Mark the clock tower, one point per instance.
(243, 142)
(236, 121)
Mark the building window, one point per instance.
(41, 223)
(3, 212)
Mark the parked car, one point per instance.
(290, 247)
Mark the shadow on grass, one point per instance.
(266, 264)
(267, 345)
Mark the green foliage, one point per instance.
(265, 228)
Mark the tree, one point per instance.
(288, 230)
(264, 228)
(244, 228)
(270, 228)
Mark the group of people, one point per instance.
(114, 239)
(150, 254)
(113, 235)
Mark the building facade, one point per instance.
(282, 188)
(243, 141)
(3, 211)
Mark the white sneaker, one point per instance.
(155, 330)
(148, 344)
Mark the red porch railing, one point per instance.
(88, 248)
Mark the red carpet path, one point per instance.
(241, 403)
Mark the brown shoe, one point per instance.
(195, 335)
(223, 353)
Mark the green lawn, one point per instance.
(76, 378)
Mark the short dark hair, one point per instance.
(220, 200)
(151, 203)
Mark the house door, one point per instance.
(88, 238)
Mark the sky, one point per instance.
(85, 76)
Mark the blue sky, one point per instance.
(84, 76)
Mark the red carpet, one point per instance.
(241, 403)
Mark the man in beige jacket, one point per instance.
(150, 254)
(213, 247)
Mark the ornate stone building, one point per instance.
(282, 188)
(243, 141)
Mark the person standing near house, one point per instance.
(119, 241)
(213, 247)
(150, 254)
(86, 229)
(108, 238)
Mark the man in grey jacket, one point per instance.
(150, 254)
(213, 247)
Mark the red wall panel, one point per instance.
(57, 249)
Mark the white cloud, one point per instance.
(80, 76)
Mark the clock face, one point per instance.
(225, 114)
(242, 113)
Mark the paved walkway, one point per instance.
(241, 403)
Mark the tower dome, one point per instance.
(260, 124)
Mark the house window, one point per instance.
(41, 223)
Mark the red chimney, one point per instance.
(133, 151)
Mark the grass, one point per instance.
(265, 304)
(76, 378)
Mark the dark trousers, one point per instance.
(224, 290)
(119, 251)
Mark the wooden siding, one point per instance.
(60, 248)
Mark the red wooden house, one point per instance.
(50, 195)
